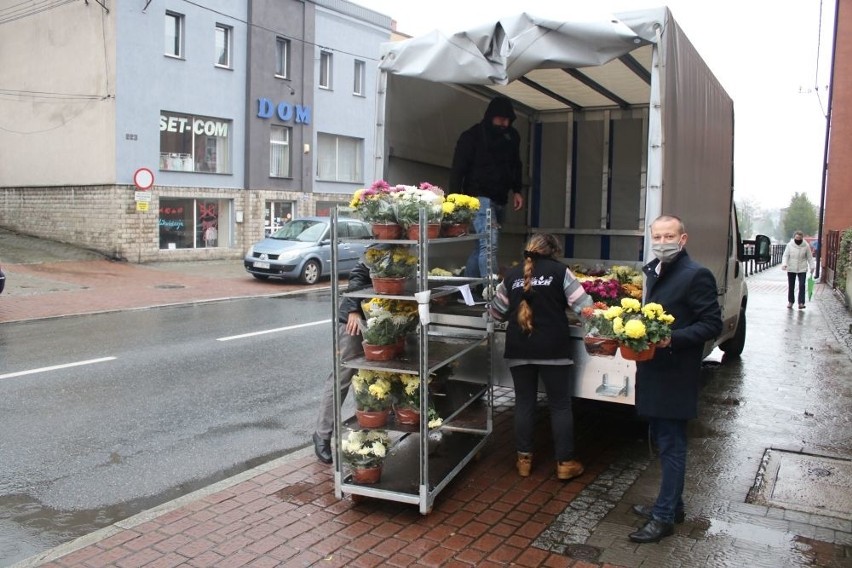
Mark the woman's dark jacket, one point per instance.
(551, 335)
(667, 386)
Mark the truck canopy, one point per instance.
(636, 66)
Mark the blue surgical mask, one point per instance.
(665, 252)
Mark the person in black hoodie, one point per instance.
(487, 165)
(532, 299)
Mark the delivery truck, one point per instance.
(620, 119)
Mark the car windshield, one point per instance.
(301, 230)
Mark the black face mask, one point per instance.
(797, 241)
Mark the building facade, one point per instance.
(215, 102)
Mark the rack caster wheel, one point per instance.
(356, 499)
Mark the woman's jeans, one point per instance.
(557, 385)
(791, 284)
(669, 435)
(477, 262)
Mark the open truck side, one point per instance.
(621, 121)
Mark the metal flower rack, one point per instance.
(421, 462)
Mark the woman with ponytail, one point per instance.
(533, 298)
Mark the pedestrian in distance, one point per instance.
(487, 165)
(798, 261)
(667, 385)
(349, 345)
(533, 298)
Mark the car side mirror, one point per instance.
(762, 249)
(325, 242)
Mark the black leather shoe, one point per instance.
(645, 511)
(322, 448)
(653, 531)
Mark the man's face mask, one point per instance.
(665, 252)
(798, 241)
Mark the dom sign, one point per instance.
(284, 111)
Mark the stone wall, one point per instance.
(104, 218)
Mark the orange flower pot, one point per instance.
(366, 475)
(380, 352)
(394, 286)
(454, 229)
(433, 230)
(372, 418)
(600, 346)
(632, 355)
(407, 416)
(386, 230)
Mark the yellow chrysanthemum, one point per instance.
(613, 312)
(667, 319)
(634, 329)
(617, 325)
(448, 207)
(631, 304)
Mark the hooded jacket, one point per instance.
(798, 257)
(486, 161)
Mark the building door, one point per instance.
(275, 214)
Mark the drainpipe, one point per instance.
(818, 273)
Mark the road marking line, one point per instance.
(252, 334)
(56, 367)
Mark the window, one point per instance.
(174, 34)
(339, 158)
(223, 45)
(358, 86)
(282, 58)
(325, 70)
(279, 152)
(190, 143)
(194, 223)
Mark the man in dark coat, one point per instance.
(667, 386)
(487, 165)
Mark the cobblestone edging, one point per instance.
(837, 315)
(573, 527)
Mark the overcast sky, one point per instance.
(766, 54)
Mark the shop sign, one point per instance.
(181, 124)
(284, 111)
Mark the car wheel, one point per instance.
(260, 276)
(733, 347)
(310, 272)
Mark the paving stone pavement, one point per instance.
(791, 390)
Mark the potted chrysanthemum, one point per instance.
(373, 397)
(407, 404)
(639, 328)
(409, 200)
(375, 206)
(364, 451)
(388, 321)
(390, 267)
(600, 338)
(459, 210)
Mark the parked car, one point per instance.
(301, 249)
(2, 280)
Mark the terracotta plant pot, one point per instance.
(395, 286)
(433, 230)
(380, 352)
(631, 355)
(455, 229)
(407, 416)
(366, 475)
(386, 230)
(372, 418)
(600, 346)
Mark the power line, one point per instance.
(32, 10)
(50, 95)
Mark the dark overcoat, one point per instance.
(667, 386)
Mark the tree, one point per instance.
(800, 216)
(746, 213)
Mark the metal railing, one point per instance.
(750, 264)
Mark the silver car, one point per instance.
(302, 249)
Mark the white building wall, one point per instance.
(57, 97)
(338, 111)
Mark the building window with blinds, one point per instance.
(279, 152)
(339, 158)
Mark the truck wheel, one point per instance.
(734, 346)
(311, 272)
